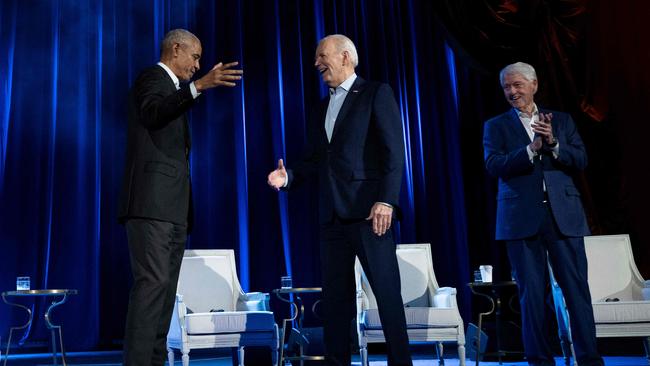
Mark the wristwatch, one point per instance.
(554, 143)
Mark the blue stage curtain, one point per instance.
(66, 67)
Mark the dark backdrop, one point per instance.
(66, 66)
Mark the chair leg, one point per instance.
(566, 350)
(646, 344)
(240, 354)
(440, 351)
(461, 354)
(363, 352)
(274, 357)
(186, 358)
(170, 356)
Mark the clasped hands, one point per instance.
(380, 214)
(543, 130)
(220, 75)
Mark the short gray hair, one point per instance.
(344, 43)
(522, 68)
(180, 36)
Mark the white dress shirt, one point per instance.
(171, 74)
(337, 97)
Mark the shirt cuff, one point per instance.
(286, 182)
(195, 93)
(385, 204)
(556, 150)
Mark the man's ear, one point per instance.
(175, 48)
(346, 57)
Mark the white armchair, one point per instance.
(431, 311)
(620, 297)
(212, 311)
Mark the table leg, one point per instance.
(53, 329)
(480, 323)
(11, 330)
(498, 328)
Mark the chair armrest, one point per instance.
(177, 324)
(645, 291)
(254, 301)
(445, 297)
(181, 308)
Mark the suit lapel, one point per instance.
(517, 126)
(172, 90)
(348, 103)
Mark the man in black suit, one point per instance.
(155, 203)
(535, 153)
(355, 147)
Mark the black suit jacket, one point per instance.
(364, 161)
(156, 182)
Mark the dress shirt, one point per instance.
(337, 97)
(171, 74)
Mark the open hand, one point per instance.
(278, 178)
(220, 75)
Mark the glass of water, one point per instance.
(22, 283)
(286, 282)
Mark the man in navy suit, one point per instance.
(355, 147)
(155, 202)
(534, 152)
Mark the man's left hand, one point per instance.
(381, 216)
(543, 127)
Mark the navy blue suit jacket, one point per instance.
(364, 161)
(519, 200)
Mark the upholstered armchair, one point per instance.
(212, 311)
(620, 296)
(431, 311)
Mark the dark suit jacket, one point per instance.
(156, 182)
(364, 161)
(519, 200)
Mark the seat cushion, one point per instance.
(622, 311)
(417, 317)
(229, 322)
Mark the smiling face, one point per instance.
(185, 59)
(333, 64)
(519, 91)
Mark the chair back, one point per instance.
(418, 280)
(208, 280)
(612, 271)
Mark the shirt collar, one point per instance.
(346, 85)
(521, 114)
(171, 74)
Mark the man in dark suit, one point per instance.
(534, 152)
(155, 203)
(355, 147)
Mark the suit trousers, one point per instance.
(341, 242)
(156, 251)
(528, 258)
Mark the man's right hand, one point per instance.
(278, 178)
(219, 75)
